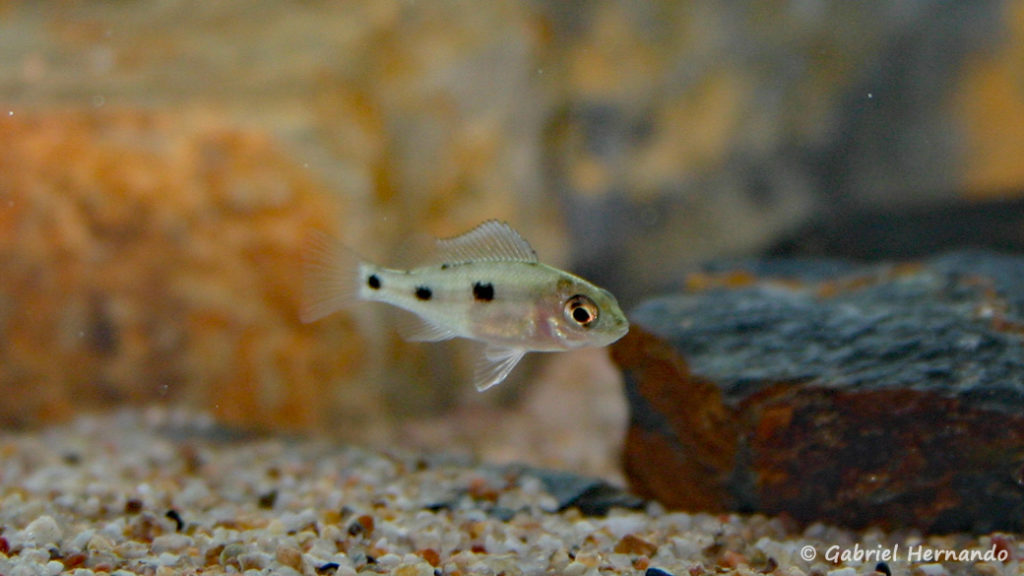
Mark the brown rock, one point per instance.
(702, 428)
(885, 396)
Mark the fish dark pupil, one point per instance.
(423, 293)
(581, 315)
(373, 281)
(484, 292)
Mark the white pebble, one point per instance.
(42, 530)
(276, 527)
(620, 526)
(578, 569)
(622, 563)
(100, 543)
(167, 559)
(293, 522)
(678, 520)
(131, 549)
(345, 570)
(687, 547)
(81, 540)
(414, 569)
(932, 569)
(253, 560)
(170, 543)
(115, 529)
(389, 560)
(547, 544)
(34, 555)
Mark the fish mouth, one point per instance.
(620, 329)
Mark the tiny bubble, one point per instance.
(870, 95)
(10, 112)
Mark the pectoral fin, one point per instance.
(495, 365)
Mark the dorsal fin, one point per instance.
(492, 241)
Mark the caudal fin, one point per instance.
(330, 280)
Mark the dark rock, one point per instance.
(591, 496)
(887, 395)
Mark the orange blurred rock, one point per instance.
(150, 257)
(991, 102)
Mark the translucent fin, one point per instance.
(495, 366)
(492, 241)
(416, 328)
(330, 280)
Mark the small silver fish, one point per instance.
(485, 285)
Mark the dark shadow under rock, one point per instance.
(888, 395)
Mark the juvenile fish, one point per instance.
(485, 285)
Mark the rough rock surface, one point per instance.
(888, 395)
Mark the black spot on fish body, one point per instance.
(373, 281)
(483, 292)
(424, 293)
(445, 266)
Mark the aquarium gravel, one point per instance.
(162, 493)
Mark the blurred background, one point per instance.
(162, 161)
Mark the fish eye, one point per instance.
(580, 310)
